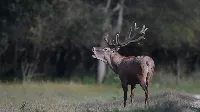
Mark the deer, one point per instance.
(131, 70)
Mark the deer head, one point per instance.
(105, 54)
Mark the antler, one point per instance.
(111, 43)
(116, 43)
(140, 33)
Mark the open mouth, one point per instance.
(101, 59)
(94, 56)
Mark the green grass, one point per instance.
(66, 96)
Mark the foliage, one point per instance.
(62, 32)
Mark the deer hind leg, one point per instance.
(143, 84)
(132, 92)
(125, 89)
(148, 82)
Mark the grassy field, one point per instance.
(67, 97)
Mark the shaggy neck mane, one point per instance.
(115, 61)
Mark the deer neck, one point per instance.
(115, 61)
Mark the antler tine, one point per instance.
(113, 42)
(135, 40)
(131, 29)
(143, 29)
(136, 27)
(106, 39)
(110, 43)
(135, 33)
(117, 38)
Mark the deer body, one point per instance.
(131, 70)
(126, 67)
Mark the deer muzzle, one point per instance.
(93, 50)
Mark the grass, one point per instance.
(70, 97)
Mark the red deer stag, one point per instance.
(131, 70)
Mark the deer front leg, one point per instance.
(132, 93)
(125, 89)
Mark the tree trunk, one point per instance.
(28, 68)
(101, 67)
(107, 28)
(15, 58)
(178, 69)
(101, 71)
(24, 69)
(196, 65)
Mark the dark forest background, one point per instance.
(52, 39)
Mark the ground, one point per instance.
(66, 97)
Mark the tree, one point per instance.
(110, 30)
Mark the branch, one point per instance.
(120, 18)
(117, 7)
(107, 5)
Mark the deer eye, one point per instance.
(105, 49)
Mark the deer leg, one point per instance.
(148, 81)
(132, 93)
(144, 87)
(125, 89)
(147, 97)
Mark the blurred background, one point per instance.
(51, 40)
